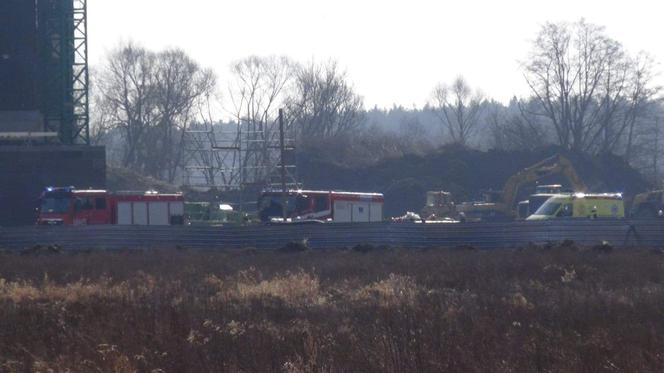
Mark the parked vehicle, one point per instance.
(580, 205)
(542, 194)
(69, 206)
(206, 213)
(328, 206)
(439, 205)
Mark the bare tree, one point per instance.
(149, 98)
(180, 85)
(323, 103)
(514, 128)
(458, 108)
(127, 84)
(647, 151)
(640, 101)
(586, 85)
(101, 114)
(414, 136)
(257, 91)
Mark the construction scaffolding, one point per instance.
(213, 158)
(244, 157)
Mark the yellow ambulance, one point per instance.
(581, 205)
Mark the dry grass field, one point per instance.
(524, 310)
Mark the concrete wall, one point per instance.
(26, 171)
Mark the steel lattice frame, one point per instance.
(64, 55)
(237, 159)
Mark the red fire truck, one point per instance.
(69, 206)
(337, 207)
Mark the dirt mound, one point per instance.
(464, 172)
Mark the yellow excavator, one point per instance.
(440, 205)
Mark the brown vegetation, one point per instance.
(557, 308)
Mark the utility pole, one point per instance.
(282, 149)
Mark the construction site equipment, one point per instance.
(648, 205)
(439, 205)
(206, 213)
(580, 205)
(69, 206)
(329, 206)
(483, 211)
(501, 205)
(556, 165)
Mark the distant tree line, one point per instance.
(588, 94)
(144, 103)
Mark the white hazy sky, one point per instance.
(394, 51)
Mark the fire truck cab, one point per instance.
(69, 206)
(329, 206)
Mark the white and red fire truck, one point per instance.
(328, 206)
(69, 206)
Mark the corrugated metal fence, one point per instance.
(482, 235)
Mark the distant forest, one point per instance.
(588, 94)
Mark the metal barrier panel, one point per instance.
(618, 233)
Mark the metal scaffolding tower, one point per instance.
(265, 156)
(243, 157)
(212, 158)
(63, 45)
